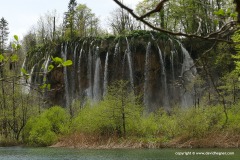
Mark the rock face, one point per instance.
(157, 67)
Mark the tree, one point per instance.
(29, 41)
(3, 33)
(86, 21)
(121, 22)
(80, 21)
(69, 19)
(46, 27)
(122, 106)
(196, 11)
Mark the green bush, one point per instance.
(41, 133)
(168, 125)
(233, 124)
(45, 129)
(119, 113)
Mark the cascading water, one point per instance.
(172, 65)
(153, 75)
(45, 69)
(97, 79)
(73, 78)
(163, 76)
(30, 79)
(189, 70)
(123, 65)
(105, 80)
(163, 79)
(66, 84)
(116, 50)
(146, 88)
(89, 72)
(23, 79)
(79, 70)
(188, 73)
(129, 59)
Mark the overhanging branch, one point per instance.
(157, 9)
(211, 36)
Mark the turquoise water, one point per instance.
(20, 153)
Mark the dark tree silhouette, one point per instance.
(3, 33)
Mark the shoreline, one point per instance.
(211, 141)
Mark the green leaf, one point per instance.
(14, 58)
(44, 79)
(43, 86)
(220, 12)
(233, 15)
(13, 45)
(67, 63)
(18, 46)
(50, 68)
(15, 37)
(24, 71)
(57, 60)
(2, 58)
(48, 86)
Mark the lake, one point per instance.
(24, 153)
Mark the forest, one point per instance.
(162, 74)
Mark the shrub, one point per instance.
(45, 129)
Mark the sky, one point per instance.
(21, 15)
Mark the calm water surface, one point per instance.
(20, 153)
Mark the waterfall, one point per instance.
(66, 85)
(129, 59)
(123, 65)
(188, 68)
(30, 79)
(163, 79)
(172, 65)
(153, 68)
(73, 78)
(89, 73)
(105, 81)
(23, 80)
(116, 50)
(45, 69)
(79, 69)
(188, 73)
(163, 76)
(26, 81)
(146, 88)
(97, 79)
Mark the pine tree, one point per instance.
(70, 17)
(3, 33)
